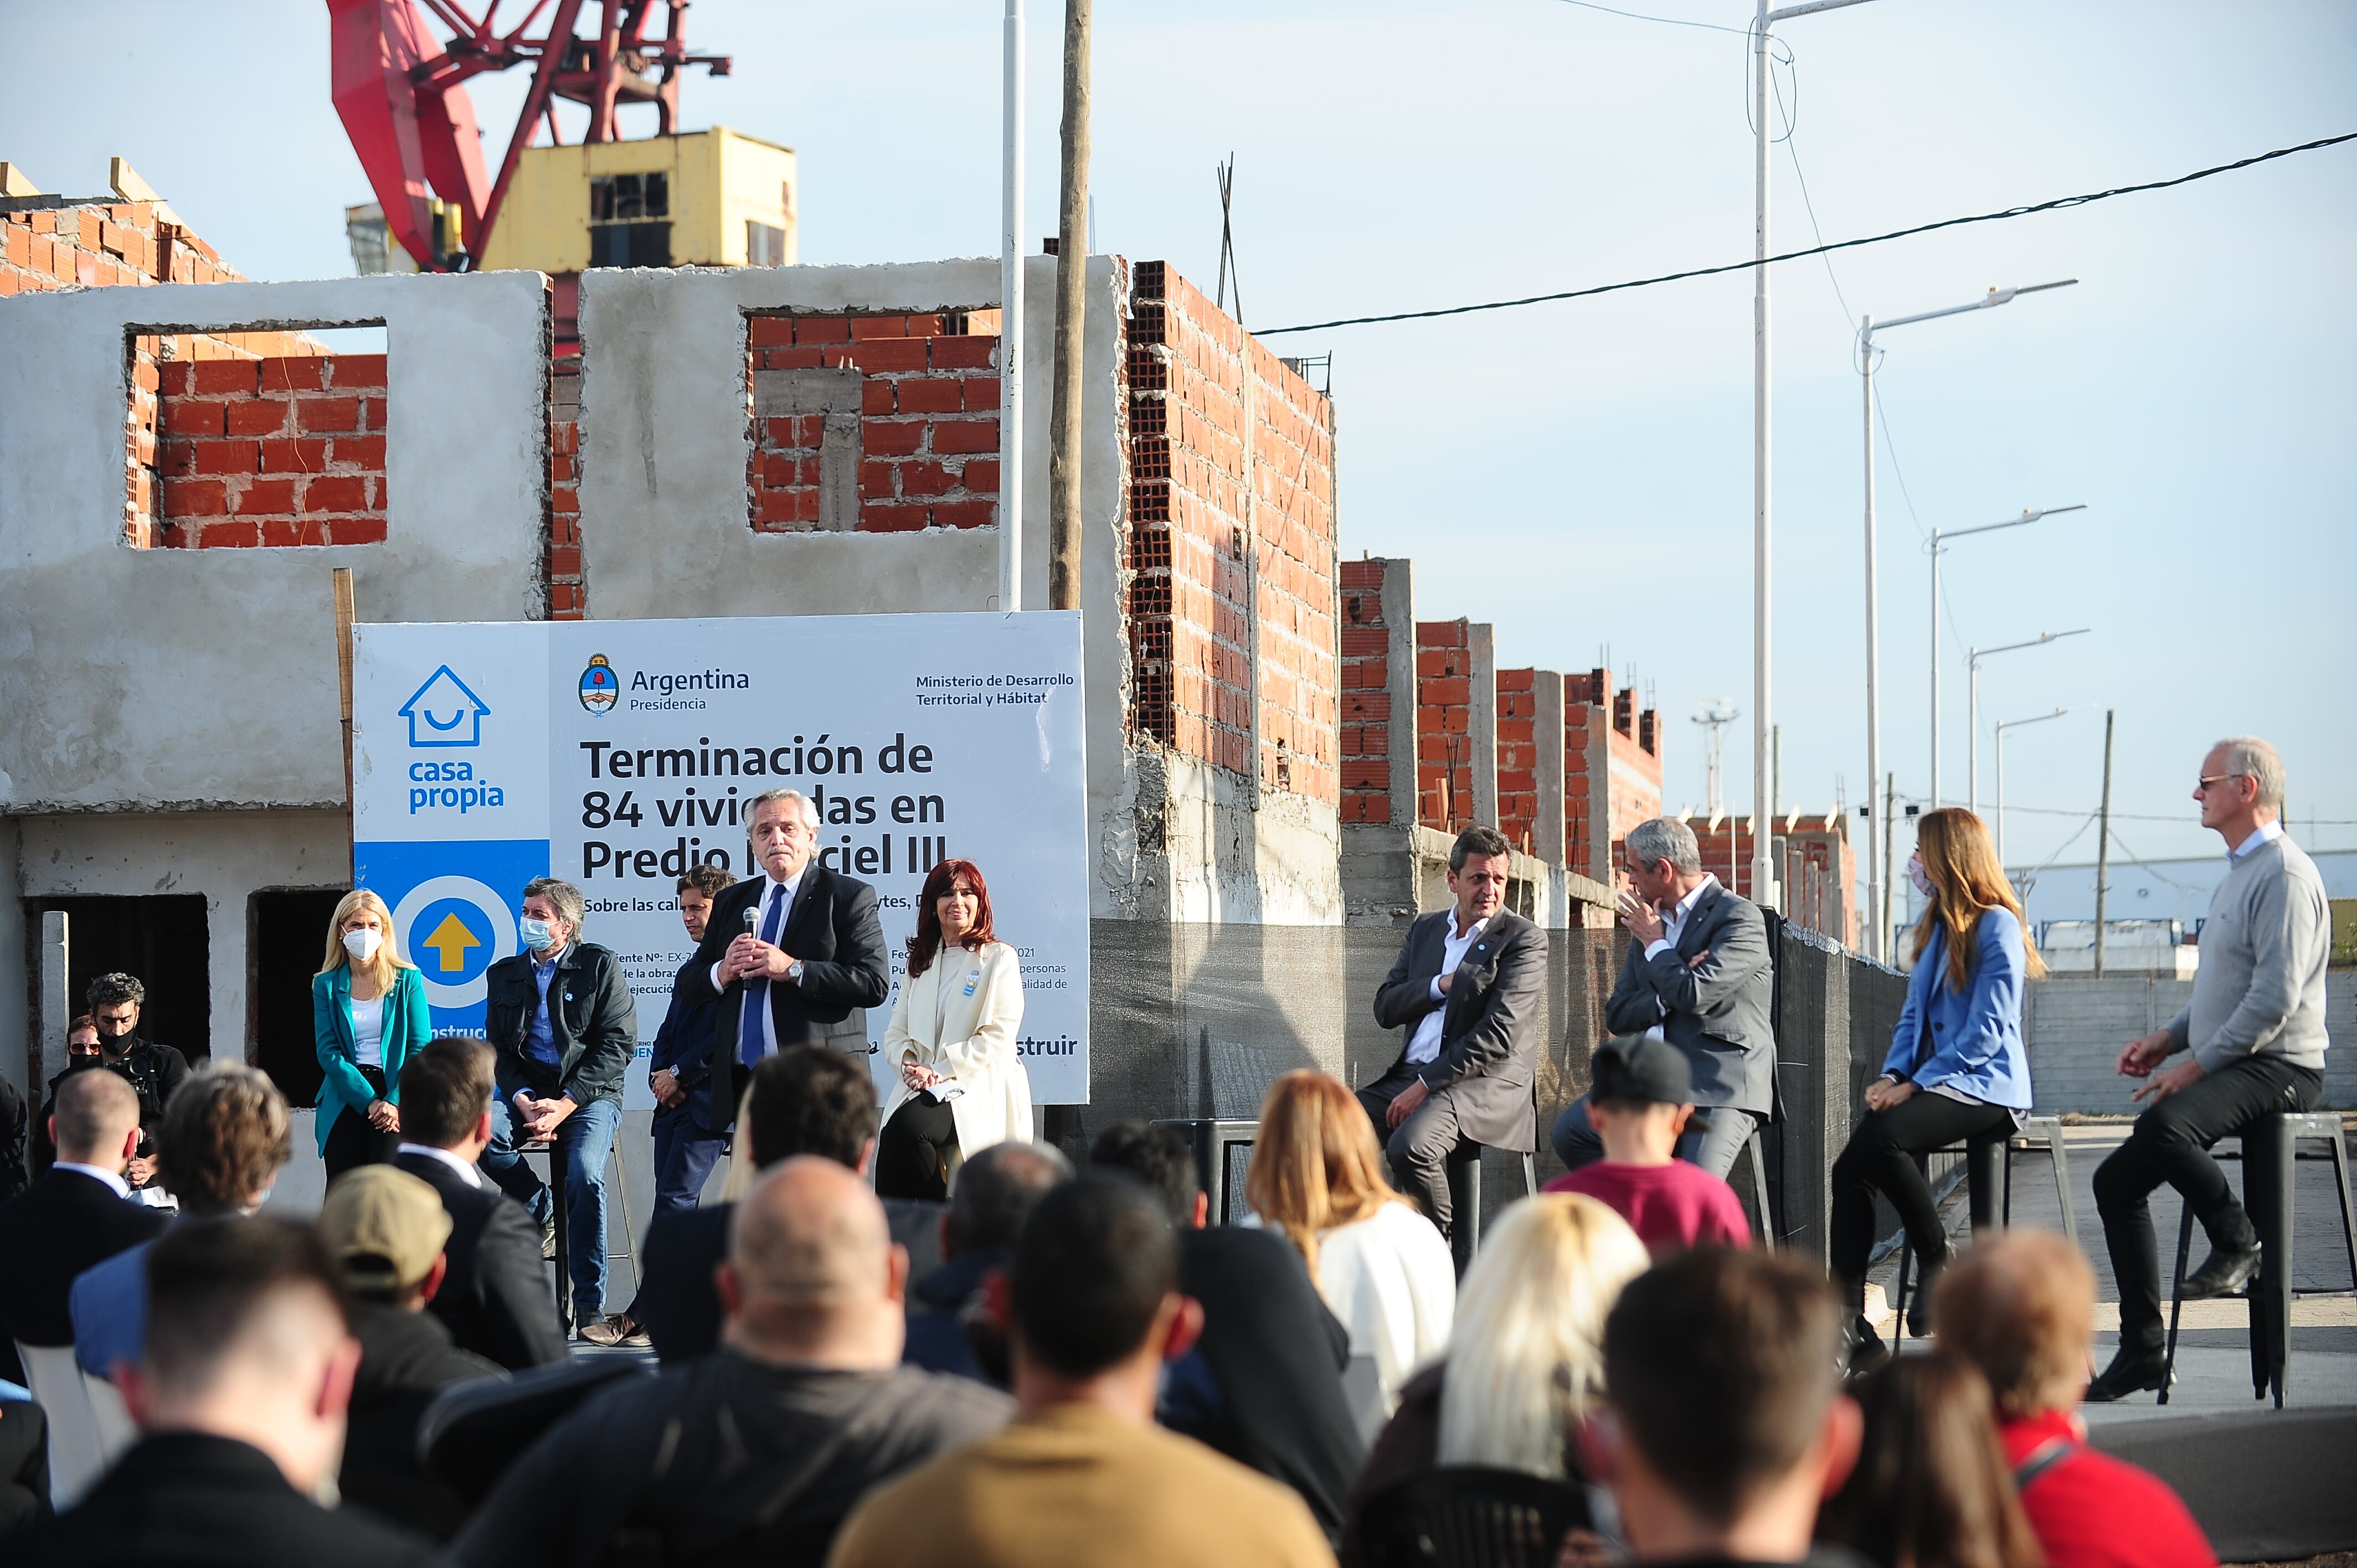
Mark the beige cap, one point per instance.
(383, 1227)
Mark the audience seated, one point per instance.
(386, 1230)
(1642, 1104)
(224, 1137)
(1382, 1268)
(241, 1397)
(1265, 1384)
(80, 1213)
(2020, 1306)
(991, 1196)
(805, 1100)
(1723, 1372)
(1083, 1475)
(756, 1453)
(497, 1298)
(1525, 1359)
(1932, 1489)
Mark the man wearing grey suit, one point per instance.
(1465, 987)
(1699, 974)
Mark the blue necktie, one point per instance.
(750, 1036)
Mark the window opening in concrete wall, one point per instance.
(161, 938)
(286, 934)
(268, 438)
(875, 424)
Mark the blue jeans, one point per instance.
(585, 1141)
(685, 1153)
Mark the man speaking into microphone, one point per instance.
(793, 956)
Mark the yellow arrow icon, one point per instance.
(451, 940)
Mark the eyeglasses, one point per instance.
(2202, 784)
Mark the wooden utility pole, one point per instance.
(2104, 845)
(1071, 319)
(344, 687)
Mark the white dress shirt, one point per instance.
(1673, 925)
(2267, 834)
(466, 1172)
(96, 1173)
(769, 894)
(1424, 1044)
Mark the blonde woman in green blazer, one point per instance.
(368, 1016)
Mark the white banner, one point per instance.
(617, 754)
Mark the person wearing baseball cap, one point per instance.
(1640, 1104)
(385, 1229)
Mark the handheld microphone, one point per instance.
(752, 919)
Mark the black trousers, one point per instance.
(913, 1154)
(352, 1142)
(1882, 1158)
(2171, 1143)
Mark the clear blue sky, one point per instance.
(1579, 474)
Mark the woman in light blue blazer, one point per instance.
(368, 1016)
(1957, 1071)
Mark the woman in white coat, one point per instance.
(953, 1042)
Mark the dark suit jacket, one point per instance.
(591, 1016)
(833, 930)
(14, 1126)
(1489, 1038)
(1719, 1011)
(187, 1497)
(406, 1357)
(49, 1234)
(496, 1300)
(679, 1306)
(1277, 1355)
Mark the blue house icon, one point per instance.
(443, 712)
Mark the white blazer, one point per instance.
(961, 1018)
(1391, 1280)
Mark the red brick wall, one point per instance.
(1192, 672)
(928, 426)
(1366, 755)
(567, 589)
(105, 245)
(1444, 725)
(1518, 757)
(280, 451)
(1602, 726)
(1819, 870)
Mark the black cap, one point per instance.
(1642, 1069)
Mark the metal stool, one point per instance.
(1756, 1150)
(563, 1259)
(2270, 1154)
(1211, 1138)
(1465, 1197)
(1988, 1186)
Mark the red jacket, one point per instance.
(2091, 1510)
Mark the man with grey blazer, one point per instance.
(1699, 974)
(2253, 1034)
(1465, 987)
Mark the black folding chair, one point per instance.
(1464, 1516)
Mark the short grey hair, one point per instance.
(1665, 838)
(2256, 760)
(571, 907)
(810, 807)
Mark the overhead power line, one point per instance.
(2056, 205)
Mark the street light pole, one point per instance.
(1763, 423)
(2001, 728)
(1875, 869)
(2028, 516)
(1973, 680)
(1011, 316)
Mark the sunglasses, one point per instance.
(2201, 784)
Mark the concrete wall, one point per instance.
(208, 678)
(2075, 1026)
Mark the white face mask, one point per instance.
(537, 936)
(1919, 877)
(363, 943)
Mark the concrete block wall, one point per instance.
(2075, 1025)
(271, 452)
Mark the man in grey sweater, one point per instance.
(2255, 1030)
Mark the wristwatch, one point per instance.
(794, 971)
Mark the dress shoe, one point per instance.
(619, 1329)
(1918, 1305)
(1864, 1350)
(2224, 1273)
(2131, 1372)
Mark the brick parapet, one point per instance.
(242, 452)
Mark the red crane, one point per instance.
(403, 100)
